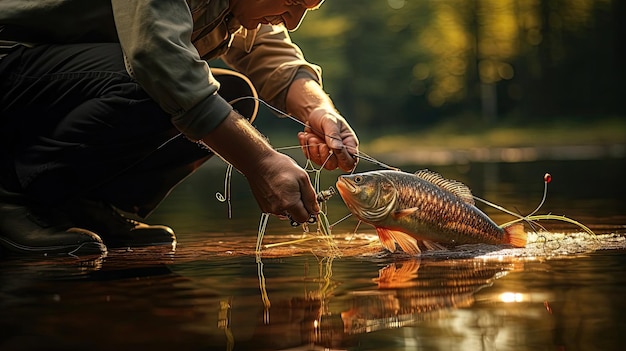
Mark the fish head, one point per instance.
(371, 196)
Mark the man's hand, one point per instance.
(283, 188)
(328, 140)
(280, 186)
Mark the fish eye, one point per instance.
(358, 179)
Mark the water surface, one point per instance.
(564, 291)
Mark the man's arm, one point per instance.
(279, 185)
(271, 61)
(156, 39)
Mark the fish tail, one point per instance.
(515, 235)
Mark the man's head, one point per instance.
(251, 13)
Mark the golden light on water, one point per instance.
(511, 297)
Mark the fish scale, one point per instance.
(423, 206)
(439, 212)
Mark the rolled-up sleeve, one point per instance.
(271, 62)
(155, 36)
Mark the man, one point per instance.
(105, 105)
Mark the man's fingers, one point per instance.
(345, 160)
(329, 151)
(301, 211)
(309, 199)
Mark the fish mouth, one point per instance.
(346, 187)
(347, 190)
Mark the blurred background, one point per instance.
(507, 72)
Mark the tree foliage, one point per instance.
(407, 63)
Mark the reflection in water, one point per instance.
(336, 306)
(405, 297)
(223, 322)
(263, 289)
(404, 293)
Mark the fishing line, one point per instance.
(358, 224)
(520, 217)
(498, 207)
(259, 239)
(357, 153)
(341, 219)
(323, 225)
(319, 172)
(547, 178)
(226, 196)
(531, 219)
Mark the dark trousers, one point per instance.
(73, 123)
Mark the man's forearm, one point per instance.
(304, 96)
(239, 143)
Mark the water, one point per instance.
(565, 291)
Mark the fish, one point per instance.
(407, 208)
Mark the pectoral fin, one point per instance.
(431, 245)
(405, 212)
(386, 239)
(389, 238)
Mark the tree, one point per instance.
(400, 63)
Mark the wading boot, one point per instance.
(27, 229)
(115, 229)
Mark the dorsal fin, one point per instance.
(455, 187)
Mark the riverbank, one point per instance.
(462, 142)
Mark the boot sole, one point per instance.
(87, 248)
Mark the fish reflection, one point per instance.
(412, 291)
(405, 293)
